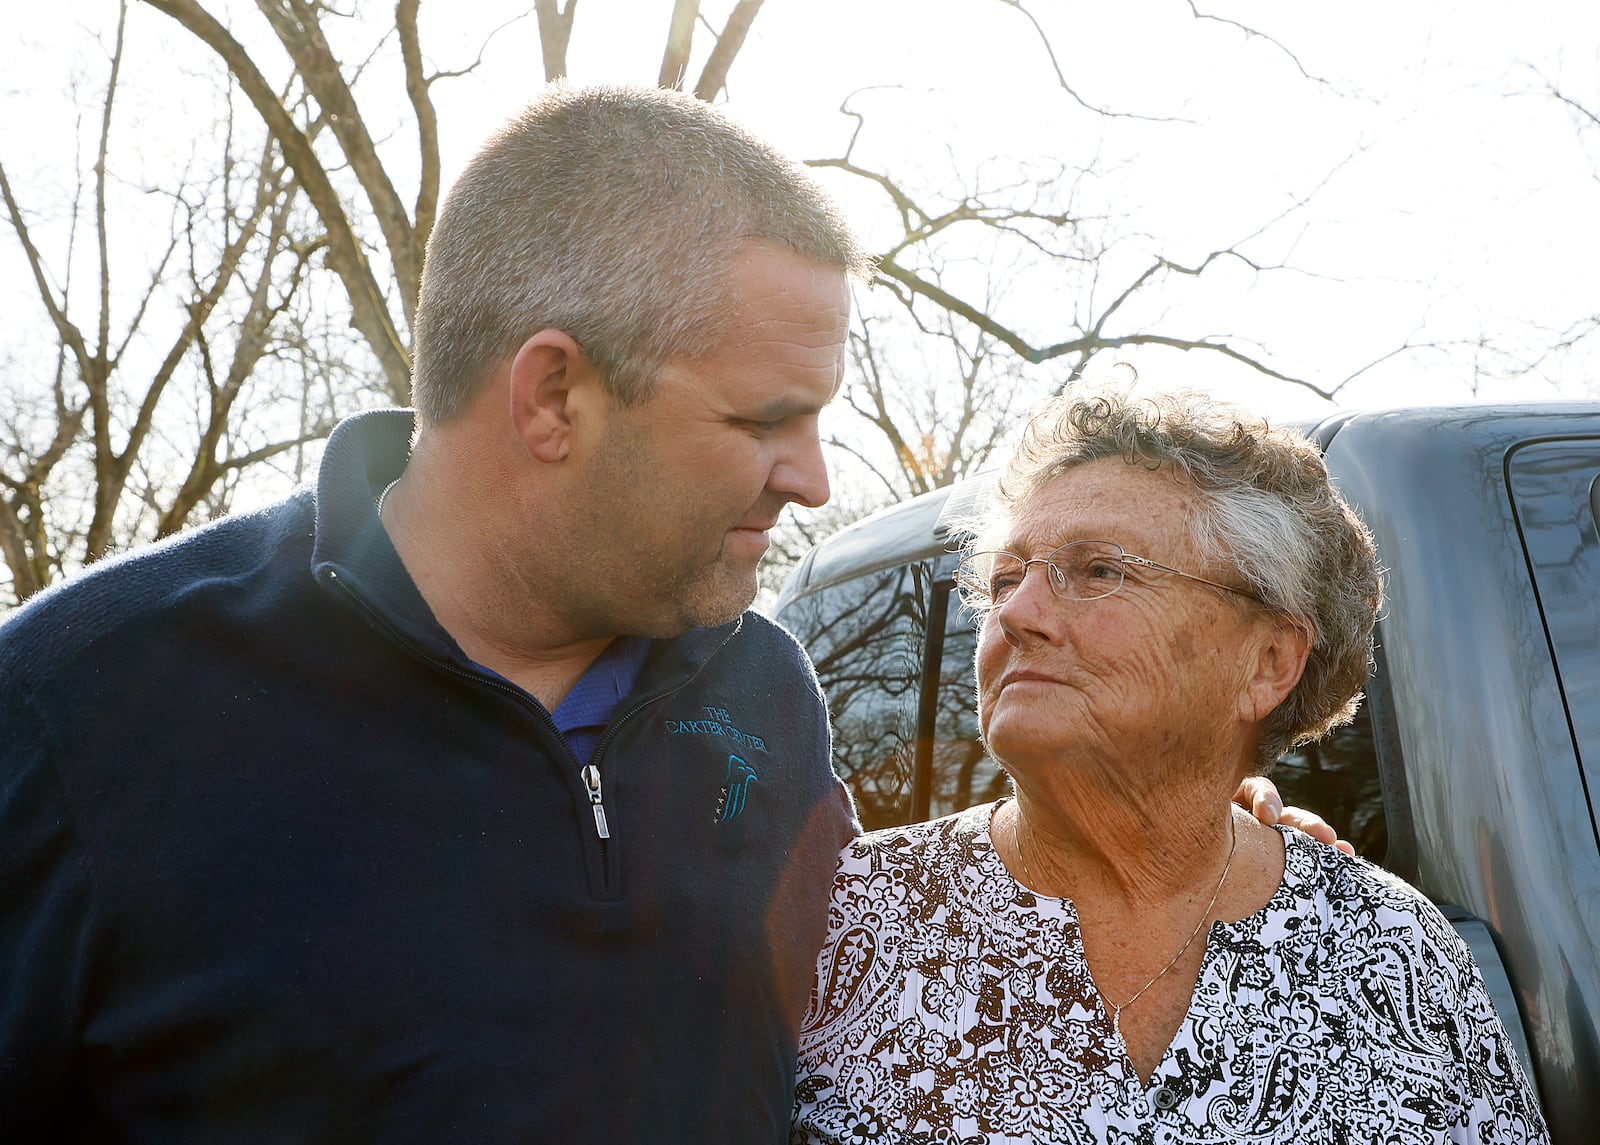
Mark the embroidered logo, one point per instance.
(718, 722)
(735, 789)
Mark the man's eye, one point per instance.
(763, 426)
(1105, 570)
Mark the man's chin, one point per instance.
(720, 598)
(710, 597)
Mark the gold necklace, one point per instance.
(1116, 1008)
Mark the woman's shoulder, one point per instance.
(936, 842)
(899, 896)
(1343, 877)
(1373, 909)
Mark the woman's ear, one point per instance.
(1281, 651)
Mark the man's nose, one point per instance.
(801, 475)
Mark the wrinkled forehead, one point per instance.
(1146, 510)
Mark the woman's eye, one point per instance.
(1002, 585)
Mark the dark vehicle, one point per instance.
(1474, 771)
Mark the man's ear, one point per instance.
(1280, 660)
(549, 382)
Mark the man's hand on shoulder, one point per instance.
(1259, 796)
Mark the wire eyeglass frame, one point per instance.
(977, 582)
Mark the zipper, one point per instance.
(534, 708)
(591, 780)
(590, 773)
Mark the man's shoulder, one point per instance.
(769, 653)
(754, 626)
(126, 596)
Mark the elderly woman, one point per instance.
(1171, 595)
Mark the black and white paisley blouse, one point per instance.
(954, 1006)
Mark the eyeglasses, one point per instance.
(1078, 570)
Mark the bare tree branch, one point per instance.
(1222, 348)
(112, 427)
(104, 340)
(417, 91)
(714, 76)
(300, 32)
(1256, 34)
(483, 48)
(555, 30)
(1061, 77)
(1406, 347)
(911, 216)
(25, 578)
(345, 255)
(680, 40)
(878, 415)
(70, 335)
(273, 449)
(841, 445)
(205, 469)
(1583, 112)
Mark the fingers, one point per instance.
(1309, 822)
(1315, 826)
(1259, 796)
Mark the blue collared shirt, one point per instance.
(583, 715)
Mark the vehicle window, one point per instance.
(865, 635)
(1555, 486)
(1338, 779)
(963, 773)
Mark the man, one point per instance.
(456, 800)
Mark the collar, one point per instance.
(364, 454)
(594, 699)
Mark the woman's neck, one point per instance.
(1129, 848)
(1148, 867)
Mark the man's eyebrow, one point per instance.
(780, 408)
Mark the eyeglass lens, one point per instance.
(1082, 570)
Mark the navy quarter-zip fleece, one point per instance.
(278, 863)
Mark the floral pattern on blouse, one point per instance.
(954, 1006)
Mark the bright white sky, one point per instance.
(1466, 205)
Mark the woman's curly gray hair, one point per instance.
(1265, 507)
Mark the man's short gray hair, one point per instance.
(1265, 507)
(612, 214)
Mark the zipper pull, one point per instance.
(591, 780)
